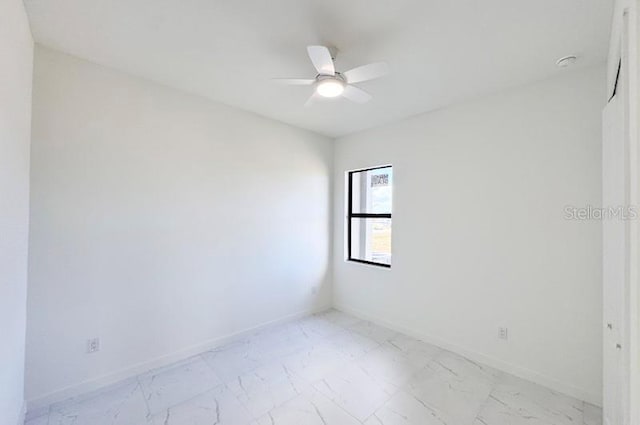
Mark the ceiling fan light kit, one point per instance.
(329, 83)
(328, 86)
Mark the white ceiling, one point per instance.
(439, 51)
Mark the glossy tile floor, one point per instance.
(327, 369)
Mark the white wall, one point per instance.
(16, 59)
(479, 234)
(160, 222)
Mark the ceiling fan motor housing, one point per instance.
(338, 76)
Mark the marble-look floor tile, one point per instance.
(391, 364)
(406, 409)
(267, 387)
(456, 363)
(39, 412)
(218, 406)
(231, 360)
(413, 348)
(592, 414)
(351, 344)
(315, 363)
(355, 390)
(515, 401)
(373, 331)
(119, 405)
(338, 318)
(310, 408)
(456, 388)
(275, 343)
(175, 384)
(318, 327)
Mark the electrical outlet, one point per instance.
(503, 333)
(93, 345)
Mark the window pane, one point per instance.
(371, 239)
(372, 191)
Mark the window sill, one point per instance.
(369, 263)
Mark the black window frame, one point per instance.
(351, 215)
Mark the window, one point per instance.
(369, 216)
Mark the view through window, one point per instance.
(369, 215)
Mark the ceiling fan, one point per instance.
(331, 83)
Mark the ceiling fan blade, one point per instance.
(293, 81)
(312, 99)
(366, 72)
(321, 59)
(355, 94)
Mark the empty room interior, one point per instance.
(286, 212)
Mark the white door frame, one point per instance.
(633, 63)
(625, 44)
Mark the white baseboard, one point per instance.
(39, 406)
(496, 363)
